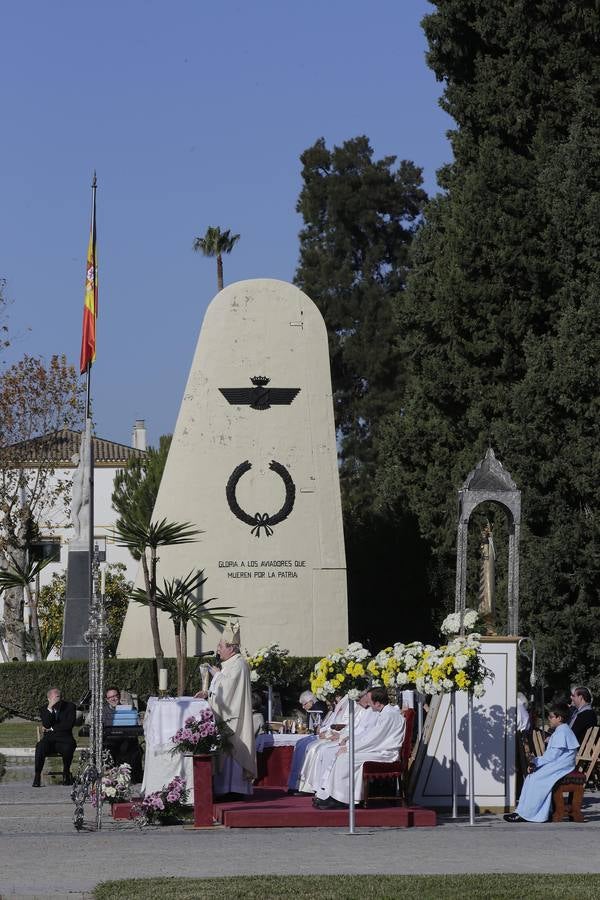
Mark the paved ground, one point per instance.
(42, 855)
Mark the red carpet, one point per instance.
(271, 808)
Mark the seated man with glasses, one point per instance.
(123, 748)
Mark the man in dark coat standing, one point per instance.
(58, 719)
(583, 716)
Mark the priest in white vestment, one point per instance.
(230, 696)
(320, 757)
(380, 743)
(333, 723)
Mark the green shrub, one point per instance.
(23, 685)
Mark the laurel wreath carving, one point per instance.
(261, 520)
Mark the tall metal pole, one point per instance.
(91, 776)
(351, 810)
(453, 754)
(419, 697)
(471, 761)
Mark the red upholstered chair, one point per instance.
(394, 771)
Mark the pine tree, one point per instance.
(360, 214)
(494, 304)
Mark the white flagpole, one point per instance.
(351, 810)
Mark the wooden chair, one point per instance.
(393, 772)
(537, 742)
(572, 784)
(589, 753)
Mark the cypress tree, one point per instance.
(494, 303)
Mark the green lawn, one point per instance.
(24, 734)
(349, 887)
(18, 734)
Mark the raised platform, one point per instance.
(276, 809)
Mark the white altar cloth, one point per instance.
(277, 740)
(163, 718)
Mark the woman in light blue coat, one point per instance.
(557, 761)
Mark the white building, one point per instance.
(59, 451)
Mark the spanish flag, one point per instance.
(90, 303)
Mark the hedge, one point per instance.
(23, 685)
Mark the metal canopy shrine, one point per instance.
(489, 482)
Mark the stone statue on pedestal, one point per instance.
(487, 577)
(80, 498)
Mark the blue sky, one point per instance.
(193, 113)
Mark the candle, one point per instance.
(162, 680)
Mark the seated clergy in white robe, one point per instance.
(303, 746)
(380, 743)
(230, 696)
(329, 730)
(321, 756)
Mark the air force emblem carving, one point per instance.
(260, 396)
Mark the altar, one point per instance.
(274, 754)
(162, 720)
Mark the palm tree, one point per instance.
(141, 538)
(214, 243)
(178, 598)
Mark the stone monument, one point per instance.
(253, 464)
(76, 616)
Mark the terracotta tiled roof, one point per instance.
(58, 448)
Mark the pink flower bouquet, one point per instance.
(167, 805)
(200, 735)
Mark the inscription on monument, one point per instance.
(265, 568)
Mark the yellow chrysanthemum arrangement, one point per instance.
(397, 666)
(342, 672)
(457, 666)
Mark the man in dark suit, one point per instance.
(583, 716)
(58, 719)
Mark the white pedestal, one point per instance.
(494, 729)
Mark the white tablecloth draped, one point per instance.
(277, 740)
(163, 718)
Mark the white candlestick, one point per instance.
(163, 679)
